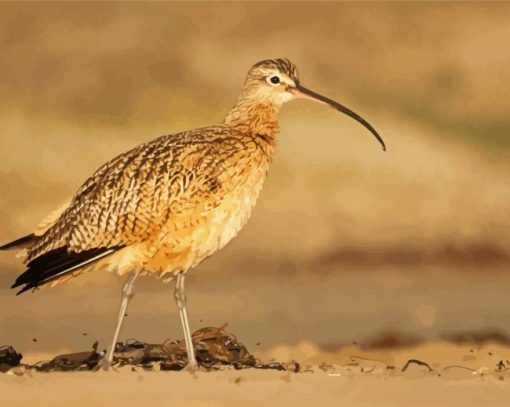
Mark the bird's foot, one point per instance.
(105, 365)
(192, 367)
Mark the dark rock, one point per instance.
(9, 358)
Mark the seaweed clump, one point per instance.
(215, 349)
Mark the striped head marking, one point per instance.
(269, 81)
(275, 71)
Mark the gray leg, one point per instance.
(180, 299)
(125, 298)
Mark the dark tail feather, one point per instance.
(56, 263)
(25, 241)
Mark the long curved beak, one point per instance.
(303, 93)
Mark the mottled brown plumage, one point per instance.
(168, 204)
(167, 199)
(174, 201)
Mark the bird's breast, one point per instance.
(193, 236)
(230, 216)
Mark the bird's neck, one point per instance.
(259, 119)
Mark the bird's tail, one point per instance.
(23, 242)
(56, 263)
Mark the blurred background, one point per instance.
(346, 242)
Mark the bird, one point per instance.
(164, 206)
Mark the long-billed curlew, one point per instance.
(168, 204)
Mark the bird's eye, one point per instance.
(274, 80)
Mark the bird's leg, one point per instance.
(125, 298)
(180, 299)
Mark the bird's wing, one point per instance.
(130, 198)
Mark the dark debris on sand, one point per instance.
(214, 347)
(9, 358)
(478, 337)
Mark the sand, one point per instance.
(458, 375)
(353, 307)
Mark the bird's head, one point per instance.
(270, 80)
(276, 81)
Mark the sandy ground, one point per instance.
(458, 375)
(354, 306)
(313, 319)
